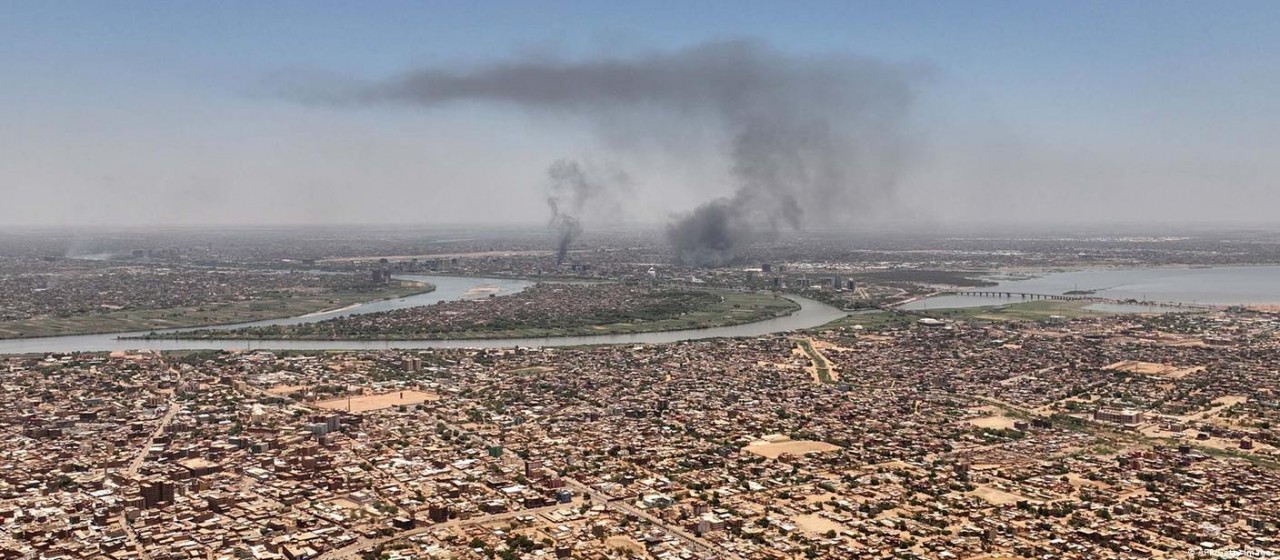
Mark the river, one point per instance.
(448, 288)
(1222, 285)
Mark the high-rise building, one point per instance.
(155, 492)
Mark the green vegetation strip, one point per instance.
(276, 307)
(1038, 310)
(872, 321)
(819, 361)
(727, 309)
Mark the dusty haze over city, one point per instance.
(572, 279)
(922, 113)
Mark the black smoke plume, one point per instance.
(569, 195)
(807, 139)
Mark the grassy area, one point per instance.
(1037, 310)
(733, 308)
(204, 315)
(820, 363)
(872, 321)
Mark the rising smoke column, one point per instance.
(571, 193)
(807, 139)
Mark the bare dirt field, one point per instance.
(365, 403)
(773, 447)
(995, 496)
(817, 524)
(1221, 403)
(1153, 369)
(820, 368)
(823, 497)
(626, 543)
(994, 422)
(285, 389)
(481, 292)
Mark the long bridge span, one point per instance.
(1024, 295)
(1028, 296)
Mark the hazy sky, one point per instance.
(172, 112)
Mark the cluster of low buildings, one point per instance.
(36, 288)
(1075, 440)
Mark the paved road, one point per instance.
(137, 462)
(136, 465)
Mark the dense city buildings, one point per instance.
(639, 280)
(1114, 437)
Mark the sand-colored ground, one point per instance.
(994, 422)
(996, 496)
(481, 292)
(1078, 481)
(1157, 370)
(1220, 404)
(285, 389)
(626, 543)
(885, 465)
(774, 446)
(818, 360)
(1213, 442)
(365, 403)
(1229, 400)
(345, 503)
(823, 345)
(822, 497)
(817, 524)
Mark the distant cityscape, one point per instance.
(1014, 427)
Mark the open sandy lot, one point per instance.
(1157, 370)
(993, 422)
(817, 524)
(774, 447)
(995, 496)
(285, 389)
(626, 543)
(365, 403)
(481, 292)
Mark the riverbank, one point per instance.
(733, 308)
(448, 288)
(1190, 286)
(208, 315)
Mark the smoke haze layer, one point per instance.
(573, 192)
(807, 139)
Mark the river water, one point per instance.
(448, 288)
(1225, 285)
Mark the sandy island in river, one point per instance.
(481, 291)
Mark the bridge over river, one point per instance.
(1028, 296)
